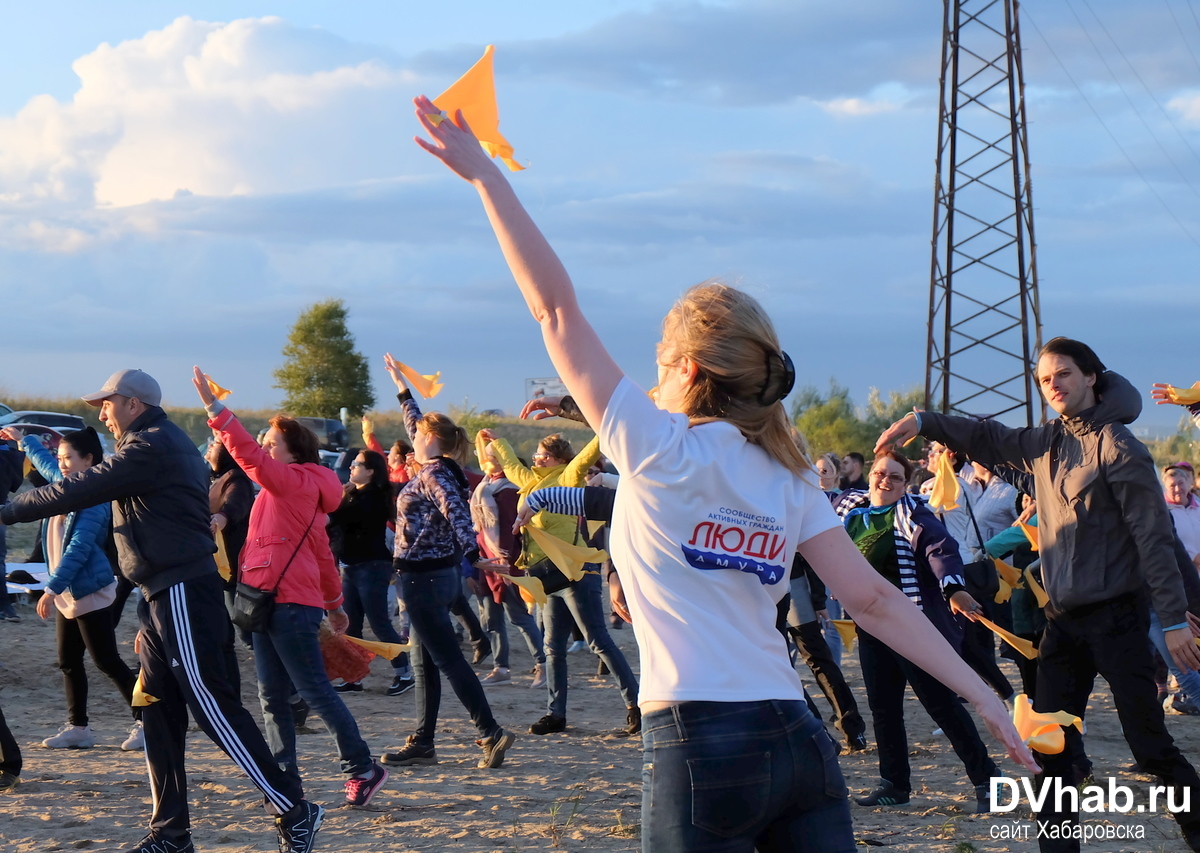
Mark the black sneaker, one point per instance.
(349, 687)
(299, 713)
(983, 800)
(856, 743)
(494, 748)
(482, 653)
(549, 724)
(154, 843)
(633, 720)
(298, 828)
(411, 753)
(401, 685)
(886, 794)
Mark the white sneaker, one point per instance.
(71, 737)
(136, 739)
(499, 675)
(539, 676)
(577, 646)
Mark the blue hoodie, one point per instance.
(84, 567)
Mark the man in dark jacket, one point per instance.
(1105, 536)
(158, 485)
(12, 472)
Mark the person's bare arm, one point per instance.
(887, 614)
(581, 360)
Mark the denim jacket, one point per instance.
(84, 567)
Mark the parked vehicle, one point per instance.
(330, 432)
(58, 420)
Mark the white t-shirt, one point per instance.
(1187, 525)
(704, 530)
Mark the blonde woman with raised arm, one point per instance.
(715, 496)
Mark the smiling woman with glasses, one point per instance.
(906, 543)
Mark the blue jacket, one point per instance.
(84, 568)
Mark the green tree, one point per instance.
(1179, 447)
(322, 371)
(832, 421)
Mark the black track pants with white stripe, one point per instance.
(184, 630)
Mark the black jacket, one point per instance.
(158, 485)
(358, 528)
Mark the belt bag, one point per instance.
(253, 607)
(549, 574)
(982, 581)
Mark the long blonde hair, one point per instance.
(734, 346)
(451, 437)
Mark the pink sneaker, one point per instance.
(360, 789)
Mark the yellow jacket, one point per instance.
(527, 480)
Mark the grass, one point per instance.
(553, 828)
(389, 425)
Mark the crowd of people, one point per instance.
(731, 546)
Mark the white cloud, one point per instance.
(1187, 106)
(252, 106)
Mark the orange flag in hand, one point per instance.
(217, 391)
(945, 486)
(475, 94)
(1020, 644)
(426, 386)
(1184, 396)
(1008, 574)
(1031, 533)
(1043, 732)
(1036, 588)
(846, 630)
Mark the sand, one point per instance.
(579, 790)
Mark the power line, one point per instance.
(1121, 86)
(1142, 81)
(1182, 37)
(1108, 131)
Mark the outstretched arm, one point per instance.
(582, 362)
(886, 613)
(1163, 396)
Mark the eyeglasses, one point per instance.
(357, 464)
(542, 456)
(891, 478)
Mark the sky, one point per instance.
(178, 180)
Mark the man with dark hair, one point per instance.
(12, 472)
(853, 464)
(158, 485)
(1107, 541)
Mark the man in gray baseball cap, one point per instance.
(128, 383)
(158, 485)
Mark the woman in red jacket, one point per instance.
(287, 550)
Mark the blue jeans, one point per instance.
(832, 638)
(365, 588)
(3, 571)
(736, 777)
(288, 654)
(427, 597)
(1189, 682)
(494, 624)
(582, 600)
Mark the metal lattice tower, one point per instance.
(984, 321)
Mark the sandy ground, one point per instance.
(579, 790)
